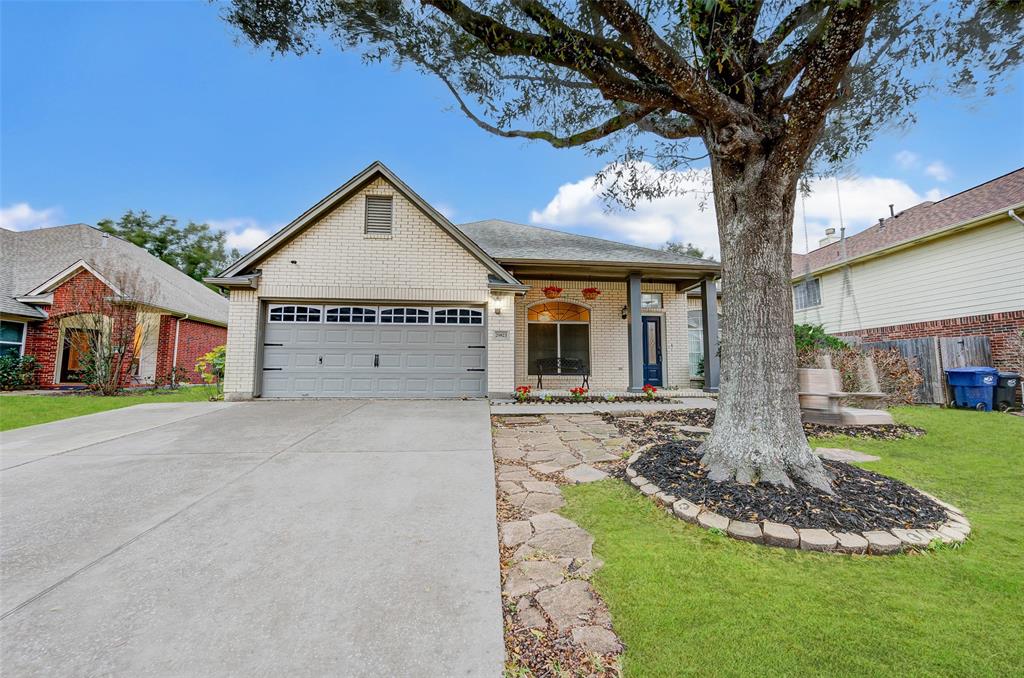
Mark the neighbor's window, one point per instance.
(557, 329)
(379, 214)
(807, 293)
(650, 300)
(294, 314)
(12, 338)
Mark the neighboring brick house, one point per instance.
(945, 269)
(56, 282)
(373, 292)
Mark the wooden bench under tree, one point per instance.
(562, 367)
(821, 400)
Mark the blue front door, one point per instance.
(652, 350)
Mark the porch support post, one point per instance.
(636, 333)
(709, 317)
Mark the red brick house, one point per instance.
(54, 280)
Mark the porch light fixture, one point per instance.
(625, 312)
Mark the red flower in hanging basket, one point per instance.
(590, 293)
(552, 292)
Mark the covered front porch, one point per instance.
(612, 327)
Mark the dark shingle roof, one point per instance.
(1001, 193)
(30, 258)
(505, 240)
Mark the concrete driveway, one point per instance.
(298, 538)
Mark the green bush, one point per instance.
(17, 371)
(811, 337)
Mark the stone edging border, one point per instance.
(955, 530)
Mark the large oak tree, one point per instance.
(768, 90)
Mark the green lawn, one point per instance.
(26, 410)
(688, 602)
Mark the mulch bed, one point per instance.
(657, 427)
(536, 400)
(863, 501)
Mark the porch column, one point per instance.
(636, 335)
(709, 317)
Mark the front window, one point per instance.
(557, 329)
(807, 294)
(12, 338)
(695, 332)
(650, 301)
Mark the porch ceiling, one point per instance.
(684, 277)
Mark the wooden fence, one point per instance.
(932, 355)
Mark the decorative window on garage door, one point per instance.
(458, 316)
(295, 314)
(405, 316)
(351, 314)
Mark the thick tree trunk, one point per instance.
(757, 435)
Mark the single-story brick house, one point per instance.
(372, 292)
(50, 285)
(949, 268)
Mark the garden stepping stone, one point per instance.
(881, 542)
(545, 454)
(597, 455)
(842, 454)
(543, 522)
(584, 474)
(541, 486)
(568, 604)
(537, 502)
(596, 639)
(559, 463)
(573, 543)
(850, 542)
(518, 473)
(508, 487)
(530, 576)
(530, 617)
(515, 532)
(508, 453)
(816, 540)
(777, 534)
(744, 531)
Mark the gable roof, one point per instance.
(509, 241)
(34, 262)
(994, 196)
(339, 195)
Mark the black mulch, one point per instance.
(863, 501)
(663, 427)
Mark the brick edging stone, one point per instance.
(955, 530)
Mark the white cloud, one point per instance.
(578, 207)
(23, 217)
(243, 233)
(447, 210)
(906, 159)
(938, 170)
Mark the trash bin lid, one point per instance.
(972, 369)
(1009, 375)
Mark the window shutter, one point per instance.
(378, 214)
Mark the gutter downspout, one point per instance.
(1013, 215)
(174, 359)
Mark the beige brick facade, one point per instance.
(609, 334)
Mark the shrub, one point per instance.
(650, 391)
(812, 337)
(210, 368)
(522, 393)
(17, 371)
(578, 394)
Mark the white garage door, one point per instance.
(366, 350)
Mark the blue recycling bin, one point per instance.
(973, 387)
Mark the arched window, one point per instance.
(557, 329)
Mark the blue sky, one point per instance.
(115, 106)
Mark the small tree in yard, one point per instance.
(109, 320)
(773, 90)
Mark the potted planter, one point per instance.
(590, 293)
(552, 292)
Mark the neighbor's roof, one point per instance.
(999, 194)
(509, 241)
(31, 258)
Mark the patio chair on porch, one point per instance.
(562, 366)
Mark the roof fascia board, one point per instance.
(57, 280)
(239, 281)
(347, 190)
(38, 299)
(913, 242)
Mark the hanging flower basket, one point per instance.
(590, 293)
(552, 292)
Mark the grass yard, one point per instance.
(26, 410)
(688, 602)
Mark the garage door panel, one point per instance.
(333, 360)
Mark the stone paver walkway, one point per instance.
(547, 559)
(591, 408)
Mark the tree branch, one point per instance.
(796, 18)
(619, 122)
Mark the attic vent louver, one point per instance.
(379, 213)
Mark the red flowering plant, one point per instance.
(552, 291)
(578, 394)
(522, 393)
(650, 391)
(590, 293)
